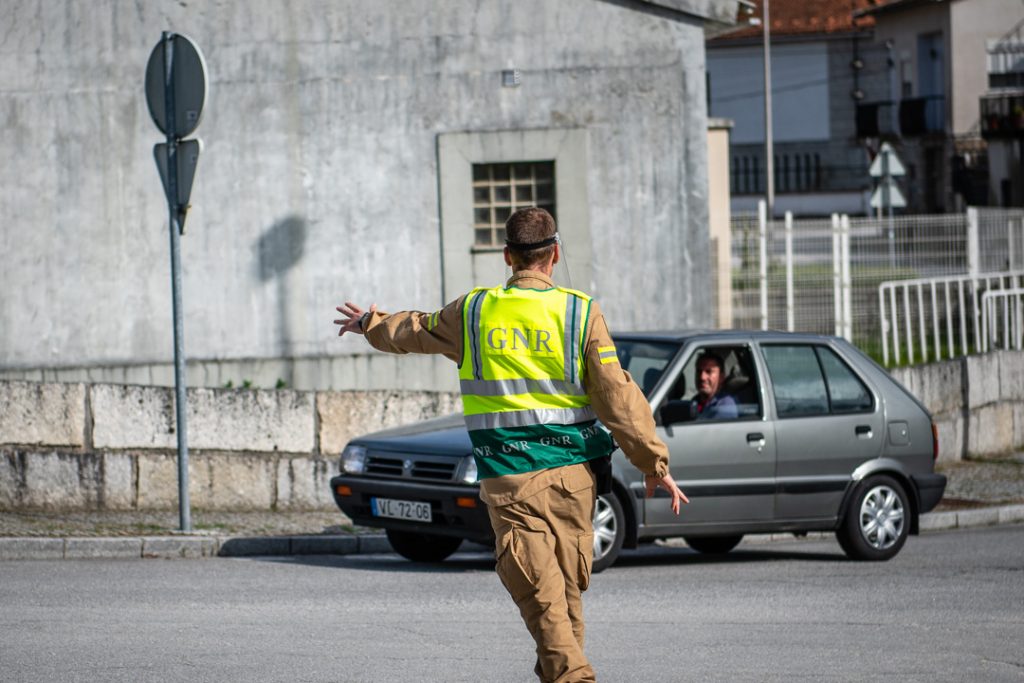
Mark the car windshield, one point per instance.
(645, 361)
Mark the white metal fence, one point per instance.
(1005, 306)
(957, 312)
(825, 275)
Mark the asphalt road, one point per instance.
(950, 607)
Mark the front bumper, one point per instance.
(448, 518)
(930, 488)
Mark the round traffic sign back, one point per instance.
(188, 78)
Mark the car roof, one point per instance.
(681, 336)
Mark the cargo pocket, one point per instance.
(585, 553)
(576, 478)
(513, 564)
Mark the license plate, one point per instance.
(401, 509)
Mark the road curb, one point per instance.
(187, 547)
(195, 547)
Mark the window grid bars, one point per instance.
(500, 189)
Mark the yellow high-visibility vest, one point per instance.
(521, 377)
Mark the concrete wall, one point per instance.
(319, 178)
(720, 219)
(977, 402)
(75, 446)
(72, 446)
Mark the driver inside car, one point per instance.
(710, 402)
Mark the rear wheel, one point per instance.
(422, 547)
(877, 520)
(713, 545)
(609, 531)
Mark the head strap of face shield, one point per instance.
(519, 246)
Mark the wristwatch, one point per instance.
(362, 321)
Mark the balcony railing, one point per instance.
(1002, 115)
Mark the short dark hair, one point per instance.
(527, 226)
(713, 357)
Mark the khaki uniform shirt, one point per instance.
(614, 396)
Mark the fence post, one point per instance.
(847, 285)
(1011, 247)
(790, 326)
(762, 220)
(973, 245)
(884, 325)
(837, 295)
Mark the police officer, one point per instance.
(537, 368)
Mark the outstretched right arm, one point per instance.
(407, 331)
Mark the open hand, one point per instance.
(669, 484)
(353, 314)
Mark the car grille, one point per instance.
(424, 467)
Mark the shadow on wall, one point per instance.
(280, 249)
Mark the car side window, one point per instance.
(797, 380)
(847, 393)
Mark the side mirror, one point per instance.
(673, 412)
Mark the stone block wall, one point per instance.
(977, 402)
(102, 446)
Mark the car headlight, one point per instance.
(353, 459)
(469, 469)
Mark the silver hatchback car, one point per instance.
(815, 436)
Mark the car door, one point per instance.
(828, 423)
(726, 467)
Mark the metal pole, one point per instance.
(769, 148)
(973, 243)
(790, 322)
(180, 405)
(763, 260)
(847, 285)
(837, 295)
(887, 202)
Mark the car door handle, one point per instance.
(756, 440)
(863, 431)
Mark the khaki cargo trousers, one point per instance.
(544, 550)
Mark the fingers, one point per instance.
(678, 497)
(352, 313)
(351, 310)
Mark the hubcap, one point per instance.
(605, 528)
(881, 517)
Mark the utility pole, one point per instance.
(769, 147)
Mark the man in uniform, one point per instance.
(537, 368)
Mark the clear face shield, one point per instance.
(560, 274)
(561, 271)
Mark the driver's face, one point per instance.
(708, 378)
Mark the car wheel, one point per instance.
(713, 545)
(609, 531)
(877, 520)
(422, 547)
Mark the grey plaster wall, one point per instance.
(319, 177)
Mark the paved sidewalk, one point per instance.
(979, 493)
